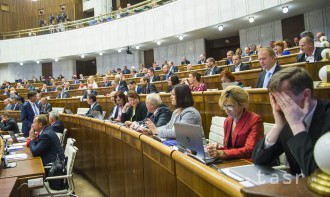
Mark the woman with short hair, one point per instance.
(134, 110)
(279, 48)
(194, 82)
(120, 101)
(172, 81)
(242, 129)
(227, 77)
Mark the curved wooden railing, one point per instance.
(69, 25)
(123, 162)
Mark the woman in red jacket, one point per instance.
(242, 129)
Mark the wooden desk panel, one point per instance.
(16, 115)
(7, 186)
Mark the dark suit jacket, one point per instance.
(45, 110)
(58, 127)
(162, 117)
(69, 88)
(140, 113)
(201, 62)
(174, 69)
(107, 84)
(187, 62)
(261, 79)
(10, 125)
(96, 107)
(165, 77)
(47, 146)
(215, 70)
(151, 88)
(27, 116)
(317, 55)
(157, 68)
(16, 107)
(299, 148)
(65, 95)
(122, 86)
(86, 93)
(241, 68)
(155, 78)
(115, 111)
(228, 62)
(248, 132)
(126, 71)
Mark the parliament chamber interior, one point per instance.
(164, 98)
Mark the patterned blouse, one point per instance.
(200, 87)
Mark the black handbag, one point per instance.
(58, 168)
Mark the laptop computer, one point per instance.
(68, 111)
(259, 175)
(15, 139)
(97, 115)
(224, 85)
(190, 137)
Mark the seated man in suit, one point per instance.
(114, 111)
(44, 106)
(158, 113)
(202, 59)
(267, 58)
(75, 80)
(166, 71)
(8, 124)
(55, 123)
(247, 52)
(62, 94)
(91, 100)
(7, 104)
(132, 86)
(152, 76)
(173, 68)
(310, 53)
(19, 86)
(17, 105)
(229, 59)
(300, 120)
(89, 91)
(45, 143)
(155, 66)
(44, 88)
(106, 82)
(67, 86)
(146, 86)
(238, 65)
(121, 84)
(212, 68)
(185, 61)
(126, 71)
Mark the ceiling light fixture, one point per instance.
(220, 27)
(285, 9)
(159, 43)
(38, 61)
(251, 19)
(119, 50)
(137, 47)
(82, 56)
(21, 63)
(56, 60)
(181, 37)
(100, 53)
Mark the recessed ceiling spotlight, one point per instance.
(100, 53)
(119, 50)
(181, 37)
(137, 46)
(21, 63)
(37, 61)
(285, 9)
(220, 27)
(82, 56)
(251, 19)
(56, 59)
(159, 43)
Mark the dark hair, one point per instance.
(290, 44)
(92, 96)
(298, 78)
(31, 94)
(121, 95)
(131, 82)
(183, 96)
(307, 34)
(145, 78)
(151, 70)
(174, 79)
(228, 74)
(196, 75)
(133, 94)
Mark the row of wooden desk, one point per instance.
(122, 162)
(12, 178)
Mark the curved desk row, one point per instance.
(122, 162)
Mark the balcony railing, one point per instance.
(69, 25)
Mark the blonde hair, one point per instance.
(235, 95)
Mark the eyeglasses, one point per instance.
(229, 107)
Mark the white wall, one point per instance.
(14, 71)
(110, 61)
(261, 34)
(176, 18)
(190, 49)
(65, 67)
(318, 21)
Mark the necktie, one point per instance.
(266, 80)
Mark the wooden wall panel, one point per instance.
(24, 14)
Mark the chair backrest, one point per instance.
(58, 109)
(82, 110)
(216, 131)
(61, 136)
(69, 142)
(20, 124)
(70, 152)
